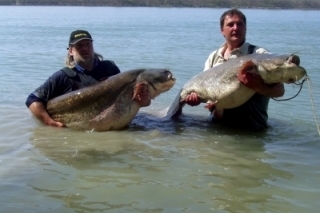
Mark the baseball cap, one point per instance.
(79, 35)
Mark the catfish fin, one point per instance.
(175, 109)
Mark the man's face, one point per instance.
(82, 52)
(234, 30)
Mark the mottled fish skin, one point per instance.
(220, 85)
(108, 105)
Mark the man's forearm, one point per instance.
(272, 91)
(39, 111)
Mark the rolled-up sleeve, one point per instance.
(261, 50)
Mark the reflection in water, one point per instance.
(160, 167)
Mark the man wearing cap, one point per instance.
(83, 68)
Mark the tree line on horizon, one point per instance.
(271, 4)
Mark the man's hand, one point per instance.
(54, 123)
(192, 99)
(39, 111)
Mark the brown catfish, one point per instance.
(110, 104)
(221, 88)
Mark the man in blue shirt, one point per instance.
(83, 68)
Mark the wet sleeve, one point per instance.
(54, 86)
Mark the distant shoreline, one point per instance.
(262, 4)
(62, 5)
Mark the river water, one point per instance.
(155, 165)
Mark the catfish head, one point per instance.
(279, 68)
(153, 82)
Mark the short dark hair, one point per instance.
(232, 12)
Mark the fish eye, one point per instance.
(168, 73)
(294, 59)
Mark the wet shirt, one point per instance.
(62, 82)
(254, 113)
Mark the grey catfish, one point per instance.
(110, 104)
(221, 88)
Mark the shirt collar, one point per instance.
(81, 69)
(242, 50)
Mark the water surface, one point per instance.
(155, 165)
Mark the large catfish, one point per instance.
(221, 88)
(110, 104)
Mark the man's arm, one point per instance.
(39, 111)
(255, 82)
(272, 90)
(55, 85)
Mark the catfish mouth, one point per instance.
(169, 75)
(164, 83)
(291, 81)
(293, 59)
(170, 80)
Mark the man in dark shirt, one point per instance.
(83, 68)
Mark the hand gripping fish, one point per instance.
(228, 85)
(112, 103)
